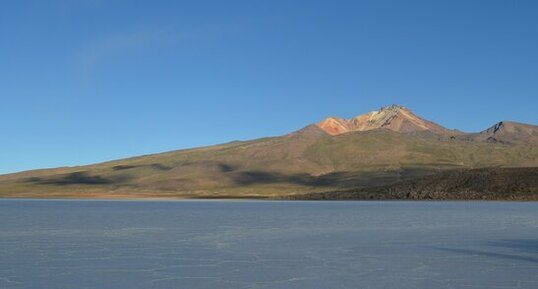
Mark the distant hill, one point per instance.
(377, 149)
(507, 132)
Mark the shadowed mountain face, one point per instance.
(509, 132)
(373, 150)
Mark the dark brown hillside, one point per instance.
(508, 133)
(474, 184)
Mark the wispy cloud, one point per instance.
(99, 51)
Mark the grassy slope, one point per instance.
(308, 161)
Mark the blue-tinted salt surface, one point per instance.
(255, 244)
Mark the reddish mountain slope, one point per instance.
(396, 118)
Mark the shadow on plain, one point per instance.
(528, 247)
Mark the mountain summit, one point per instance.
(389, 153)
(395, 117)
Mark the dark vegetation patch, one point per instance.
(122, 167)
(470, 184)
(335, 179)
(155, 166)
(161, 167)
(225, 168)
(78, 178)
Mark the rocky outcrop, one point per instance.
(463, 184)
(510, 133)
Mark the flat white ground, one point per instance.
(267, 244)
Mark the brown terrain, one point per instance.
(395, 118)
(384, 154)
(473, 184)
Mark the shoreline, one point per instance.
(237, 199)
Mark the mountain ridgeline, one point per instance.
(387, 154)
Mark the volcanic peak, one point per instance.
(395, 117)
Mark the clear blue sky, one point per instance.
(89, 81)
